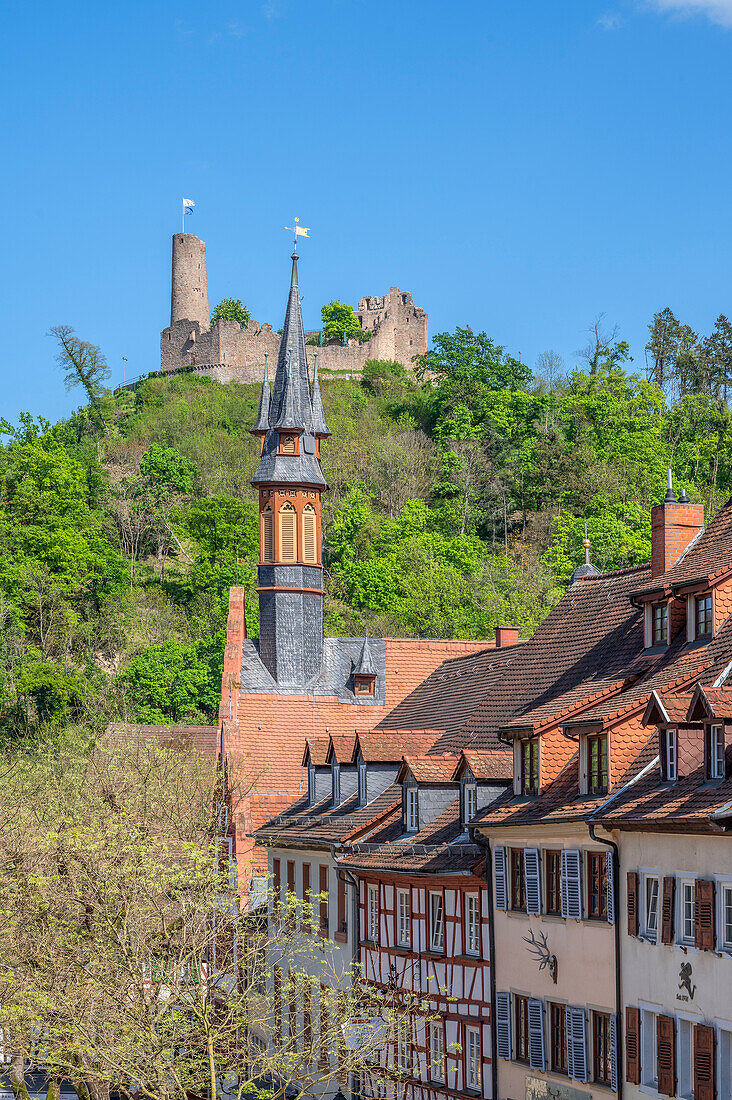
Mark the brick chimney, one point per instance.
(673, 525)
(506, 635)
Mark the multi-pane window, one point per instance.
(725, 916)
(311, 784)
(650, 907)
(649, 1062)
(472, 1059)
(437, 1052)
(558, 1037)
(336, 778)
(601, 1048)
(437, 922)
(685, 1059)
(362, 783)
(669, 748)
(703, 616)
(596, 886)
(716, 752)
(521, 1028)
(470, 802)
(597, 764)
(472, 924)
(553, 875)
(403, 918)
(660, 624)
(518, 881)
(686, 911)
(404, 1044)
(372, 913)
(530, 766)
(412, 809)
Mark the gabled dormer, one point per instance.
(378, 756)
(343, 774)
(315, 759)
(595, 755)
(481, 776)
(680, 742)
(712, 706)
(427, 788)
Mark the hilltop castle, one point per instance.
(230, 353)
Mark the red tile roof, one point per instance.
(390, 746)
(316, 748)
(486, 764)
(709, 556)
(430, 769)
(442, 847)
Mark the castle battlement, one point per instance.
(230, 353)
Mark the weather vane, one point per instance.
(298, 231)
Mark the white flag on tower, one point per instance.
(188, 205)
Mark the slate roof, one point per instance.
(324, 824)
(441, 847)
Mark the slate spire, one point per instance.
(261, 426)
(288, 420)
(318, 426)
(365, 666)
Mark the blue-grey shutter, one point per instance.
(610, 886)
(576, 1044)
(532, 878)
(501, 887)
(503, 1024)
(536, 1034)
(614, 1052)
(571, 883)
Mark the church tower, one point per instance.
(290, 425)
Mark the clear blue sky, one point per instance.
(518, 165)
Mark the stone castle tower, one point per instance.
(232, 354)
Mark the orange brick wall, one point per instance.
(673, 526)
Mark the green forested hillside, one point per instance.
(457, 502)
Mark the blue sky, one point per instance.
(519, 165)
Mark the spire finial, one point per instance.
(266, 367)
(315, 365)
(586, 544)
(670, 497)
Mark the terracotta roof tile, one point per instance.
(316, 749)
(441, 847)
(389, 746)
(709, 555)
(437, 768)
(486, 764)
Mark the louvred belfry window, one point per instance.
(267, 535)
(309, 535)
(288, 534)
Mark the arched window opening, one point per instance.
(309, 535)
(288, 533)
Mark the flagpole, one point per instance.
(183, 215)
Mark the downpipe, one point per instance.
(619, 1022)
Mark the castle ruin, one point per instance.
(229, 353)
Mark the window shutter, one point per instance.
(287, 533)
(632, 903)
(309, 551)
(632, 1045)
(703, 1062)
(665, 1055)
(610, 886)
(576, 1044)
(499, 865)
(268, 535)
(503, 1024)
(704, 915)
(614, 1052)
(536, 1033)
(532, 876)
(667, 909)
(571, 883)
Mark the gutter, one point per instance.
(618, 980)
(484, 843)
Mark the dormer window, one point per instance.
(597, 764)
(289, 445)
(660, 624)
(704, 616)
(470, 802)
(362, 794)
(363, 683)
(311, 783)
(669, 755)
(716, 752)
(411, 809)
(336, 784)
(530, 766)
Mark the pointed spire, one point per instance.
(288, 419)
(265, 398)
(318, 425)
(365, 666)
(292, 348)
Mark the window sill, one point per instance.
(436, 953)
(342, 937)
(468, 958)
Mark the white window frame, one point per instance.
(685, 1023)
(437, 1052)
(646, 877)
(404, 918)
(671, 755)
(372, 913)
(724, 1057)
(472, 924)
(311, 783)
(437, 944)
(684, 881)
(336, 768)
(362, 783)
(470, 801)
(411, 809)
(404, 1044)
(723, 889)
(649, 1046)
(716, 751)
(473, 1067)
